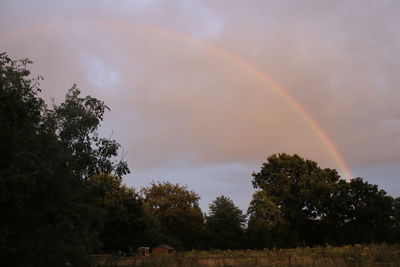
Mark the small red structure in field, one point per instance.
(163, 249)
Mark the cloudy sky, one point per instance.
(182, 79)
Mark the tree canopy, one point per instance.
(47, 154)
(225, 225)
(300, 203)
(177, 211)
(125, 226)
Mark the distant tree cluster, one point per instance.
(62, 199)
(300, 204)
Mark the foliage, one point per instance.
(76, 122)
(302, 204)
(302, 192)
(177, 211)
(49, 215)
(395, 221)
(125, 225)
(365, 214)
(265, 221)
(225, 225)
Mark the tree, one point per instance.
(49, 215)
(177, 211)
(75, 122)
(365, 213)
(225, 225)
(125, 225)
(265, 222)
(317, 207)
(396, 221)
(302, 191)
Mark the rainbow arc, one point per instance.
(331, 148)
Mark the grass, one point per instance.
(357, 256)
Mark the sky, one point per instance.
(182, 80)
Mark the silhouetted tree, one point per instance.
(75, 123)
(49, 214)
(125, 225)
(302, 204)
(365, 213)
(225, 225)
(265, 226)
(177, 211)
(302, 191)
(396, 221)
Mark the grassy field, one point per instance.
(357, 255)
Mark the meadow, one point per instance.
(356, 255)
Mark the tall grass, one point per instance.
(357, 255)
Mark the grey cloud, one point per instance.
(175, 101)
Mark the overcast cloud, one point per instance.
(187, 114)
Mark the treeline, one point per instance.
(61, 195)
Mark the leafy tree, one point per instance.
(396, 221)
(75, 122)
(366, 213)
(302, 191)
(225, 224)
(125, 225)
(177, 211)
(49, 215)
(315, 206)
(265, 222)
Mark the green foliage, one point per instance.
(76, 122)
(396, 221)
(303, 193)
(265, 221)
(177, 212)
(301, 204)
(365, 213)
(50, 217)
(225, 225)
(125, 225)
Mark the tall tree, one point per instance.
(265, 224)
(302, 191)
(125, 225)
(366, 213)
(317, 207)
(75, 123)
(177, 211)
(225, 225)
(49, 216)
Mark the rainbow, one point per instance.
(222, 53)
